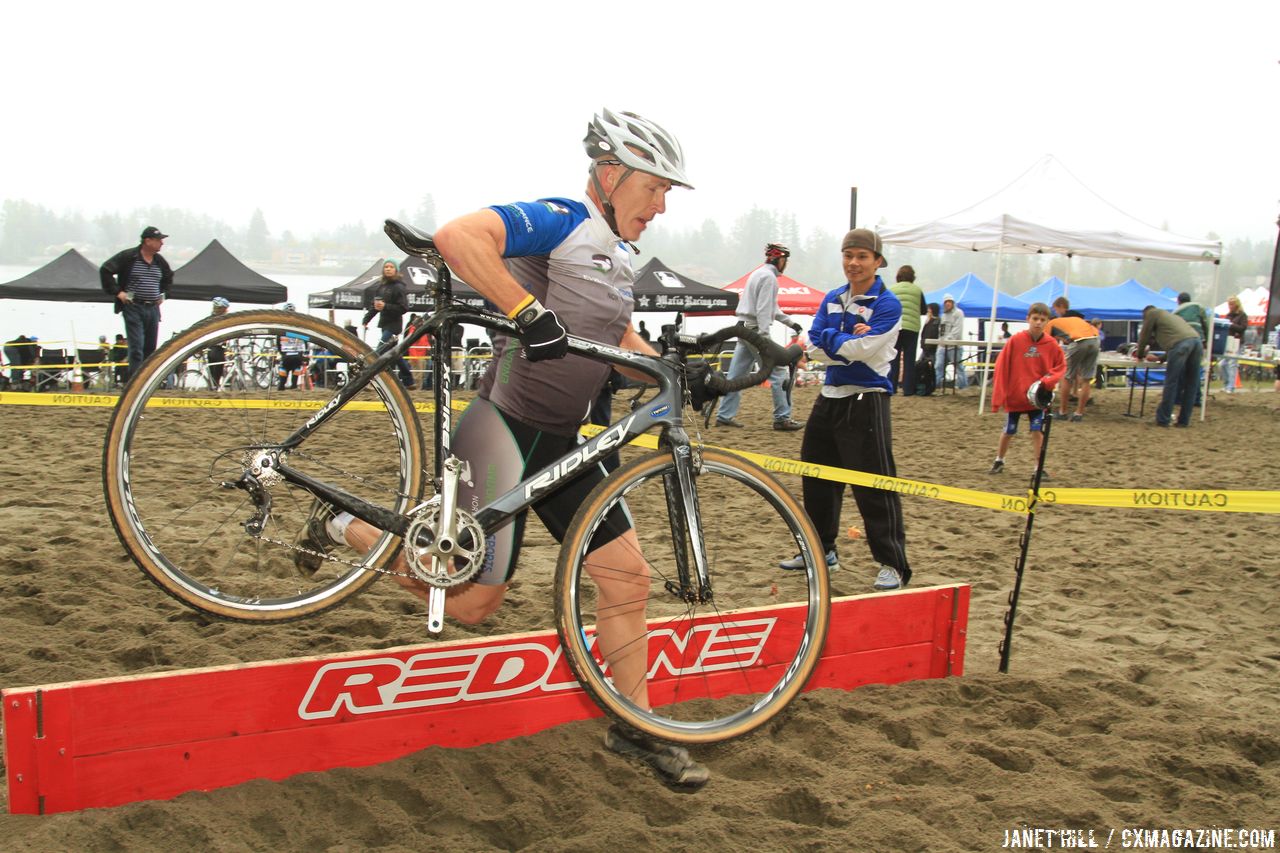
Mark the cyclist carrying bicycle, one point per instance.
(555, 265)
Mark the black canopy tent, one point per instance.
(417, 275)
(217, 272)
(659, 288)
(68, 278)
(349, 295)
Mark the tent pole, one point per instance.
(995, 295)
(1066, 278)
(1207, 360)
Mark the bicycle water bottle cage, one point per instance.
(410, 240)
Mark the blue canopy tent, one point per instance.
(1048, 209)
(1046, 291)
(973, 296)
(1123, 301)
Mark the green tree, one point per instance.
(256, 243)
(424, 217)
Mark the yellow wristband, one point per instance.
(524, 303)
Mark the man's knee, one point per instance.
(473, 603)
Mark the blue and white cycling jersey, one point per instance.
(566, 255)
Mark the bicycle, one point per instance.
(241, 371)
(730, 638)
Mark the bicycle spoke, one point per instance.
(188, 534)
(717, 661)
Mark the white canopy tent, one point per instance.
(1048, 209)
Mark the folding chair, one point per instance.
(91, 365)
(54, 364)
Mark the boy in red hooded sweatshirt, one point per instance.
(1030, 356)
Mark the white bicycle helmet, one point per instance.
(637, 143)
(220, 302)
(1039, 396)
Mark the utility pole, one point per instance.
(1273, 307)
(853, 213)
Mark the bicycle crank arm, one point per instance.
(435, 610)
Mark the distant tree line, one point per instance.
(30, 232)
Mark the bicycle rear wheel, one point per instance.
(169, 455)
(715, 670)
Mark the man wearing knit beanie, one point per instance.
(856, 329)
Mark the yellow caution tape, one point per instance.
(109, 401)
(1196, 500)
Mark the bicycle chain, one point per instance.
(293, 546)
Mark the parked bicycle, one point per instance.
(209, 501)
(245, 366)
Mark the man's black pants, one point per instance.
(855, 433)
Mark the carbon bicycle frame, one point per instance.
(664, 410)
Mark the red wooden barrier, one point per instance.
(118, 740)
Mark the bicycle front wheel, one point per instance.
(171, 456)
(680, 669)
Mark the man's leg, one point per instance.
(622, 578)
(867, 445)
(135, 334)
(151, 329)
(468, 603)
(1172, 392)
(907, 353)
(957, 358)
(1190, 368)
(822, 498)
(739, 366)
(940, 368)
(777, 386)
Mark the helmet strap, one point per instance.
(606, 203)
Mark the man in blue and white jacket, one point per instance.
(856, 328)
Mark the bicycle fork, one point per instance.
(686, 531)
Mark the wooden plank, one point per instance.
(111, 741)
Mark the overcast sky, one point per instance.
(325, 113)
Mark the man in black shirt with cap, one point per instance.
(139, 278)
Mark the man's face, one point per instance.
(947, 306)
(636, 201)
(860, 267)
(1036, 323)
(1060, 310)
(153, 244)
(782, 264)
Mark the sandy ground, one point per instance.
(1143, 690)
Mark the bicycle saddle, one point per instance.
(410, 240)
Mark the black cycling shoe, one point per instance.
(314, 537)
(673, 765)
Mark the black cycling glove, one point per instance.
(542, 336)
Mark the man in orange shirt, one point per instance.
(1079, 338)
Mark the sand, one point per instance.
(1143, 689)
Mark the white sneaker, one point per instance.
(796, 563)
(888, 579)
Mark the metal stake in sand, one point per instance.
(1025, 543)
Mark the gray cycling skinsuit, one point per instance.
(505, 451)
(527, 414)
